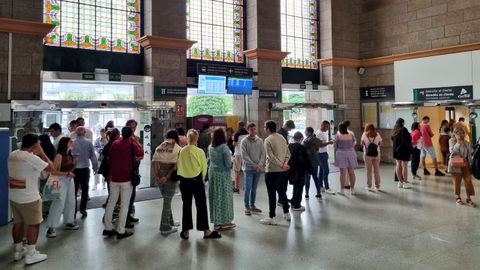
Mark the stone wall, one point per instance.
(391, 27)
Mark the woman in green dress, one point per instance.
(220, 184)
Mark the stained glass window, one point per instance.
(299, 22)
(107, 25)
(217, 26)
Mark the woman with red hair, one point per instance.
(371, 141)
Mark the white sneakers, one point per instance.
(18, 255)
(268, 221)
(287, 217)
(34, 257)
(329, 191)
(404, 185)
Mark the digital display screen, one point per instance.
(240, 86)
(211, 85)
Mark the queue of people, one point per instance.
(188, 160)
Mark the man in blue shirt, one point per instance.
(85, 153)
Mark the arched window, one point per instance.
(107, 25)
(217, 26)
(299, 22)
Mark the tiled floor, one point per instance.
(421, 228)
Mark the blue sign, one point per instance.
(211, 85)
(240, 86)
(4, 152)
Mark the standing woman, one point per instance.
(64, 163)
(402, 150)
(99, 144)
(191, 171)
(416, 146)
(371, 141)
(458, 166)
(443, 141)
(164, 171)
(345, 157)
(104, 169)
(220, 188)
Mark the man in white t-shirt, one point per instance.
(24, 168)
(322, 135)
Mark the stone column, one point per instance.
(264, 55)
(23, 19)
(166, 45)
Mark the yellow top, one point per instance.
(191, 162)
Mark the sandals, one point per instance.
(459, 201)
(471, 203)
(213, 235)
(184, 235)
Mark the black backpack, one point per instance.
(372, 149)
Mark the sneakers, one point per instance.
(301, 208)
(287, 217)
(352, 192)
(400, 184)
(369, 188)
(71, 226)
(109, 233)
(248, 212)
(341, 192)
(406, 186)
(51, 233)
(35, 257)
(18, 255)
(172, 230)
(376, 189)
(329, 191)
(426, 172)
(124, 235)
(133, 219)
(268, 221)
(318, 196)
(439, 173)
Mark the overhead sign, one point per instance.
(377, 92)
(223, 70)
(443, 93)
(169, 91)
(269, 94)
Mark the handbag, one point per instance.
(135, 178)
(51, 190)
(458, 162)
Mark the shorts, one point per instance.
(27, 213)
(428, 149)
(237, 163)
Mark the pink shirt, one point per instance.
(425, 130)
(416, 135)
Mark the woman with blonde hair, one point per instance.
(191, 170)
(371, 141)
(458, 165)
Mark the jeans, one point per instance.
(316, 180)
(193, 187)
(324, 170)
(168, 191)
(250, 182)
(82, 177)
(276, 182)
(124, 191)
(65, 205)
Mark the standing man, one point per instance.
(85, 153)
(56, 133)
(427, 146)
(24, 168)
(237, 156)
(253, 157)
(120, 156)
(285, 129)
(276, 175)
(312, 144)
(88, 132)
(324, 170)
(132, 124)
